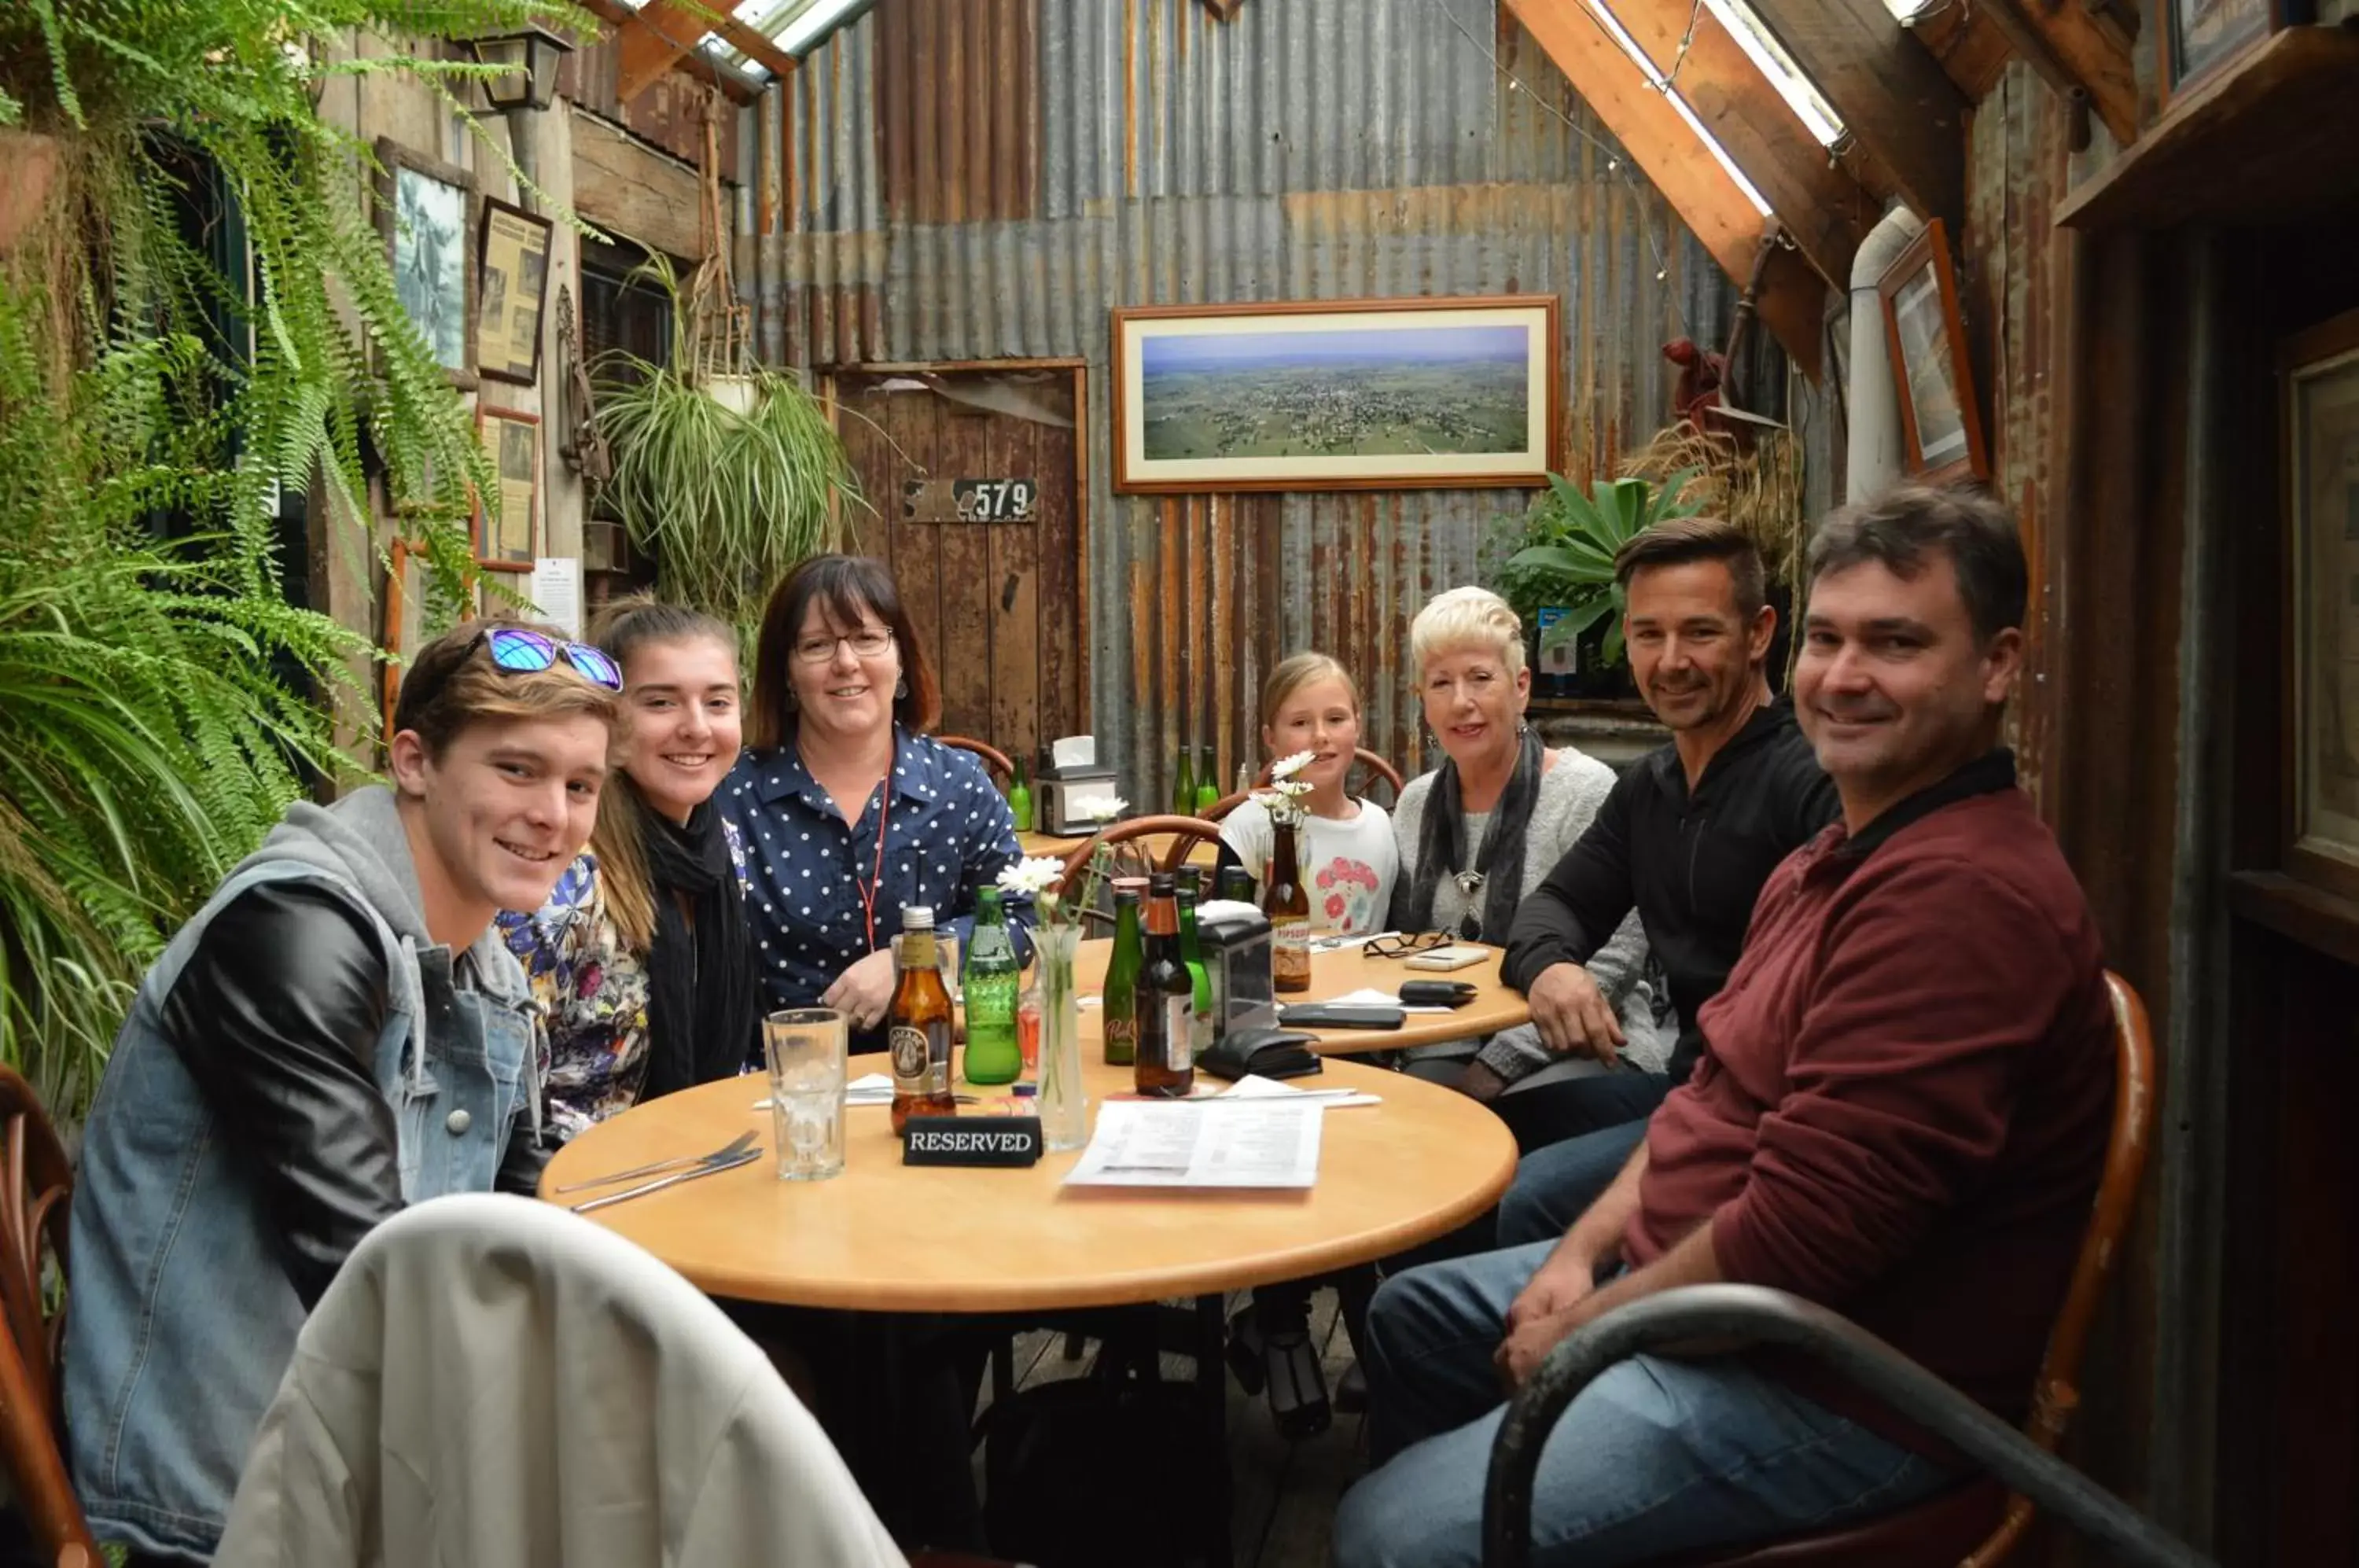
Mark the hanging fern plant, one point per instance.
(725, 470)
(160, 702)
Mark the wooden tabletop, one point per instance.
(1343, 971)
(893, 1237)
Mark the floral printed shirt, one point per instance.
(595, 988)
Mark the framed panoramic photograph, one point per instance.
(511, 285)
(2321, 375)
(424, 209)
(2197, 37)
(513, 441)
(1942, 432)
(1354, 394)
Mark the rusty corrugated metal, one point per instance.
(669, 113)
(1312, 150)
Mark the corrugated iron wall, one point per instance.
(978, 179)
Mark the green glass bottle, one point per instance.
(1120, 1001)
(1200, 975)
(1183, 783)
(994, 1054)
(1208, 788)
(1019, 798)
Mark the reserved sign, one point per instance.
(970, 1140)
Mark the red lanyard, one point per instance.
(875, 883)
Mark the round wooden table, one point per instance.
(1339, 973)
(888, 1237)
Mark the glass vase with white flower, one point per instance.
(1059, 912)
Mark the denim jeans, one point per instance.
(1548, 1113)
(1657, 1456)
(1553, 1186)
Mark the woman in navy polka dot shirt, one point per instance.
(847, 809)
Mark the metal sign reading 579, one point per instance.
(970, 500)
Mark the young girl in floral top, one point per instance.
(641, 955)
(1310, 704)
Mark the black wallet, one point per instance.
(1436, 993)
(1271, 1052)
(1326, 1015)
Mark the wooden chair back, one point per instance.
(2057, 1394)
(34, 1199)
(1187, 834)
(994, 761)
(1363, 758)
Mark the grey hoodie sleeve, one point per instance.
(276, 1015)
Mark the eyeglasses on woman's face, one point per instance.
(868, 642)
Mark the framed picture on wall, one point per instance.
(1940, 428)
(425, 209)
(2319, 369)
(509, 541)
(2197, 36)
(511, 287)
(1358, 394)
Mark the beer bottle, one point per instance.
(1208, 788)
(1019, 798)
(1165, 1065)
(1287, 902)
(1200, 973)
(918, 1024)
(992, 980)
(1121, 1002)
(1183, 784)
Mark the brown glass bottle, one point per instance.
(1287, 902)
(1165, 1065)
(917, 1025)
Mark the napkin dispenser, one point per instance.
(1064, 797)
(1235, 941)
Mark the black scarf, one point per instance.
(1498, 864)
(703, 1010)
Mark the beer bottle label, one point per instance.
(921, 1058)
(1289, 950)
(1178, 1019)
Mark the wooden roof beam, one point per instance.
(1894, 97)
(1824, 210)
(657, 38)
(2075, 49)
(1793, 297)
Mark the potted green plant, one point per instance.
(724, 470)
(1565, 550)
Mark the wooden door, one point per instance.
(997, 600)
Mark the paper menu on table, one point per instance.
(1174, 1143)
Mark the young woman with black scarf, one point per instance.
(641, 955)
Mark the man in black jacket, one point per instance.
(1687, 836)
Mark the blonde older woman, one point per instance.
(1479, 832)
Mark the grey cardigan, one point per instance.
(1569, 795)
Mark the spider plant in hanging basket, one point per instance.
(723, 470)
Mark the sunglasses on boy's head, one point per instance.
(521, 651)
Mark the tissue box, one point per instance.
(1064, 800)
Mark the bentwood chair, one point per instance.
(1363, 758)
(1977, 1525)
(994, 761)
(34, 1200)
(1186, 834)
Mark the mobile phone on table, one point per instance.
(1454, 957)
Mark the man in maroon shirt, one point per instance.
(1900, 1112)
